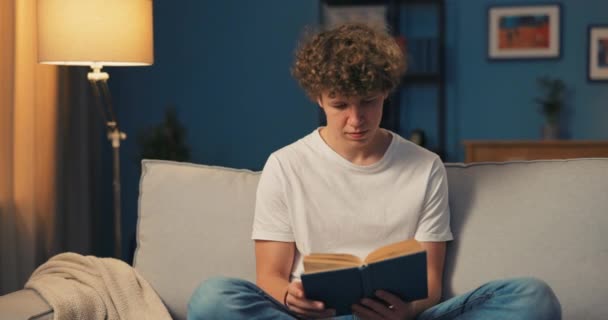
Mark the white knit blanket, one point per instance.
(87, 287)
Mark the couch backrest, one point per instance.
(194, 222)
(546, 219)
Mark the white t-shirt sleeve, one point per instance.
(434, 222)
(271, 219)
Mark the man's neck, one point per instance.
(363, 155)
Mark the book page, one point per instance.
(394, 250)
(318, 262)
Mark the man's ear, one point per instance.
(319, 102)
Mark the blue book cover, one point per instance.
(403, 275)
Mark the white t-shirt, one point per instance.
(310, 195)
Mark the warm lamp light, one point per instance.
(98, 33)
(87, 32)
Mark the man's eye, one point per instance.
(340, 106)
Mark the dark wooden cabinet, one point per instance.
(499, 151)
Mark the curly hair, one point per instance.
(351, 60)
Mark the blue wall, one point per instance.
(494, 100)
(225, 66)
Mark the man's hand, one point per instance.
(390, 307)
(296, 301)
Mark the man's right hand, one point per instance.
(296, 301)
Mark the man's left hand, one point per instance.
(390, 307)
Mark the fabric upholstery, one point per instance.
(194, 222)
(543, 218)
(546, 219)
(24, 304)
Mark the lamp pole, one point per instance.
(98, 80)
(115, 136)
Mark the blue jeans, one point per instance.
(520, 298)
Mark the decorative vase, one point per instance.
(550, 131)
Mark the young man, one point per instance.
(351, 187)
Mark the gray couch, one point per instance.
(547, 219)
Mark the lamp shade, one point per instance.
(101, 32)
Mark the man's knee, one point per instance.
(210, 298)
(542, 301)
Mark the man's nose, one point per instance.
(356, 115)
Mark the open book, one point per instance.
(341, 280)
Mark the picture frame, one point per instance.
(524, 32)
(597, 56)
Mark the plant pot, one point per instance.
(550, 131)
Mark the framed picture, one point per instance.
(598, 53)
(524, 32)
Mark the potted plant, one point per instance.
(165, 141)
(551, 104)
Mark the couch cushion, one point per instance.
(24, 304)
(543, 218)
(194, 222)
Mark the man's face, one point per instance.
(352, 120)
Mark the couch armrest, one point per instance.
(24, 304)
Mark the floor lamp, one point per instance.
(98, 33)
